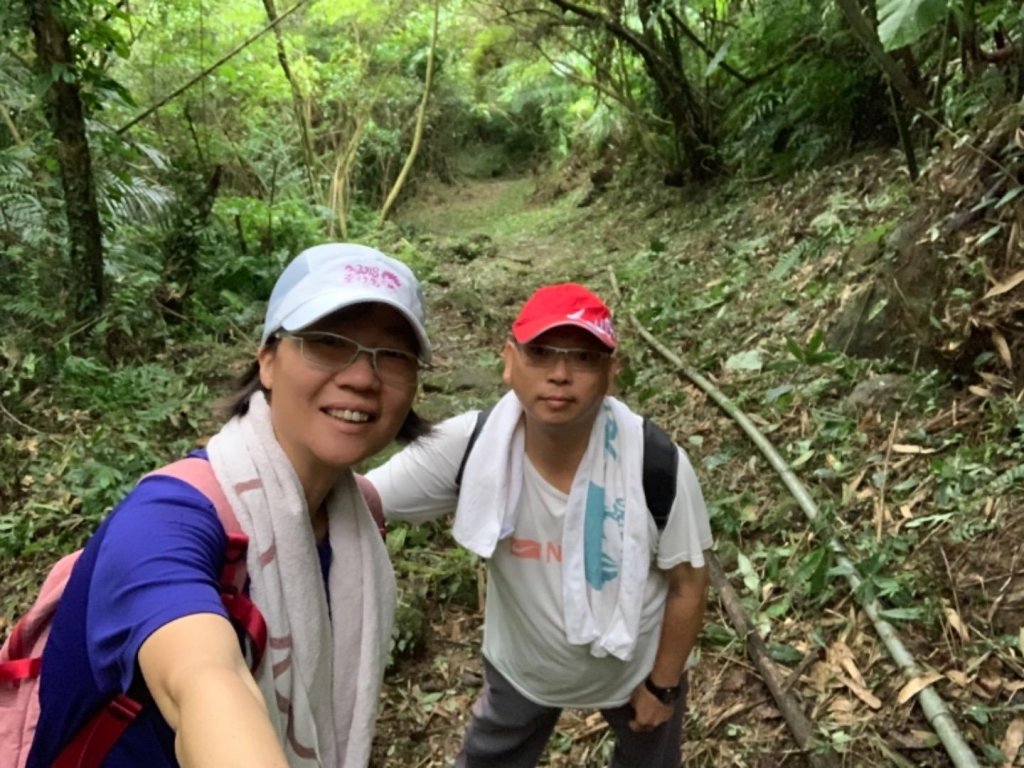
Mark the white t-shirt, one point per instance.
(524, 629)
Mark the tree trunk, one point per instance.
(340, 179)
(420, 120)
(969, 39)
(297, 103)
(55, 62)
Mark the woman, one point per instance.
(333, 383)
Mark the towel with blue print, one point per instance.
(605, 545)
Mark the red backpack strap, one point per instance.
(92, 744)
(16, 670)
(95, 740)
(243, 612)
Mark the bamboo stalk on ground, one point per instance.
(932, 704)
(817, 753)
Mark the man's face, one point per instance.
(559, 390)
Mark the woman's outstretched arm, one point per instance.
(195, 671)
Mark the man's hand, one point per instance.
(684, 615)
(648, 711)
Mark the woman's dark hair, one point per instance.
(237, 404)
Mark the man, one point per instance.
(589, 604)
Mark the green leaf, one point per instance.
(750, 360)
(1011, 195)
(795, 349)
(784, 654)
(902, 614)
(902, 22)
(876, 308)
(779, 609)
(775, 393)
(813, 570)
(802, 459)
(786, 264)
(989, 234)
(979, 714)
(717, 61)
(716, 634)
(750, 578)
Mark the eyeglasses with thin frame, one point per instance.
(545, 356)
(334, 352)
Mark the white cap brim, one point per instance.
(333, 301)
(330, 277)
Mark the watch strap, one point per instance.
(662, 694)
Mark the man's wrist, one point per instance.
(664, 694)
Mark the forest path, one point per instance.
(501, 244)
(732, 277)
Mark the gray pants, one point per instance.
(507, 730)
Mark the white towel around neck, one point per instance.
(605, 534)
(321, 681)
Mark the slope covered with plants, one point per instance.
(915, 471)
(816, 205)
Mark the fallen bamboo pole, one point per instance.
(818, 754)
(932, 704)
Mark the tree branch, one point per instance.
(222, 60)
(869, 37)
(692, 36)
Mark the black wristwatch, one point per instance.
(664, 695)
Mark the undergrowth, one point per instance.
(913, 471)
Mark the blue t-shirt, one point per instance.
(155, 559)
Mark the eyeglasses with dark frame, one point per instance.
(545, 356)
(334, 352)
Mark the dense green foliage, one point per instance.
(222, 144)
(209, 177)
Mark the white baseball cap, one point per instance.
(325, 278)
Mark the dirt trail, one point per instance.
(472, 301)
(499, 240)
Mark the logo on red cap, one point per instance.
(564, 304)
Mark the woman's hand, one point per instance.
(194, 669)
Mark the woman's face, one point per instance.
(327, 420)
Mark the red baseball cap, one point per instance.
(564, 304)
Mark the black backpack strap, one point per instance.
(661, 464)
(481, 419)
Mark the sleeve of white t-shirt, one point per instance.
(418, 483)
(688, 532)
